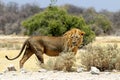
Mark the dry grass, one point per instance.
(103, 57)
(102, 41)
(65, 61)
(12, 53)
(11, 46)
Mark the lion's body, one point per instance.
(50, 46)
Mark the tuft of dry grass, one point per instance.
(4, 63)
(10, 46)
(63, 62)
(104, 58)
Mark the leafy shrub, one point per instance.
(97, 21)
(104, 23)
(54, 21)
(104, 58)
(97, 30)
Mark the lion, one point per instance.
(50, 45)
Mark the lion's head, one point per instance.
(74, 38)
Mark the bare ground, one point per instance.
(50, 75)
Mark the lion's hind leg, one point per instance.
(39, 50)
(26, 56)
(40, 56)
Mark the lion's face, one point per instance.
(74, 37)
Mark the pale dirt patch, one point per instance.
(50, 75)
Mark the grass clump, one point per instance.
(63, 62)
(104, 58)
(10, 46)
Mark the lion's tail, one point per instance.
(23, 47)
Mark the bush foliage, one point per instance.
(104, 58)
(54, 21)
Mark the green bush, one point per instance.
(54, 21)
(99, 23)
(104, 58)
(104, 23)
